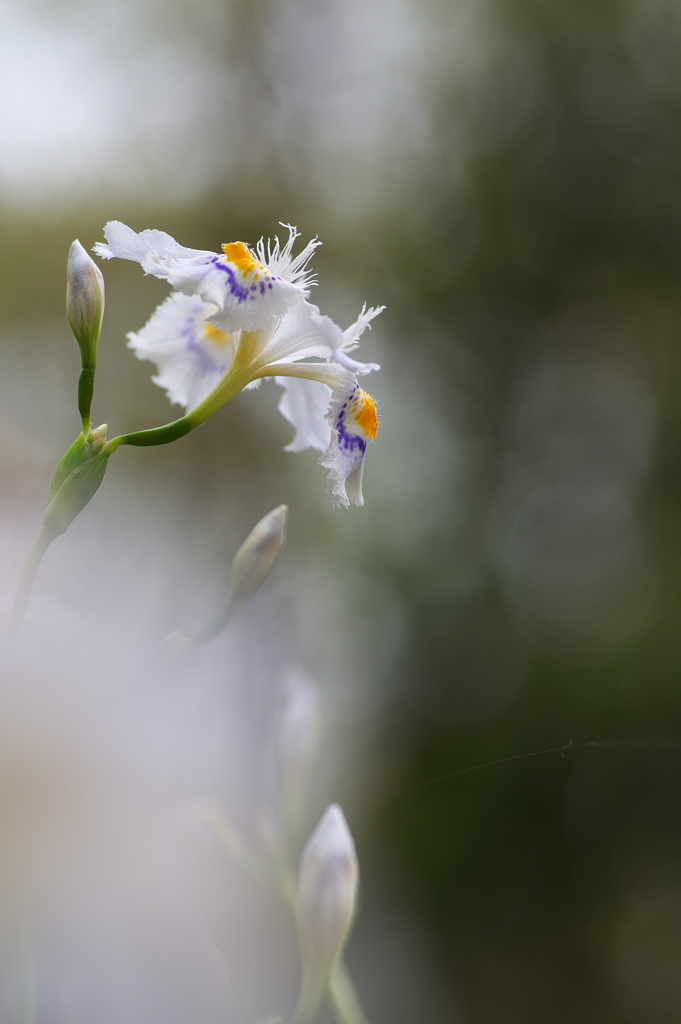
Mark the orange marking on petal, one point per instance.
(219, 338)
(241, 256)
(366, 418)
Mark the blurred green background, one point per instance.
(505, 177)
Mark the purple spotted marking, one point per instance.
(350, 442)
(207, 364)
(347, 441)
(239, 291)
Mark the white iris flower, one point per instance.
(235, 320)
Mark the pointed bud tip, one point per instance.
(258, 553)
(332, 834)
(277, 517)
(84, 301)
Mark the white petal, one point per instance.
(345, 458)
(327, 373)
(297, 336)
(242, 302)
(132, 245)
(355, 331)
(339, 343)
(279, 260)
(247, 295)
(304, 404)
(344, 479)
(176, 338)
(353, 365)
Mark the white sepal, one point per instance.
(340, 342)
(304, 404)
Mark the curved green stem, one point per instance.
(344, 999)
(311, 991)
(155, 435)
(35, 556)
(208, 632)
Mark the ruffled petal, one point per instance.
(246, 294)
(340, 341)
(248, 300)
(352, 415)
(127, 244)
(355, 331)
(279, 259)
(190, 354)
(297, 336)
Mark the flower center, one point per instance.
(241, 256)
(365, 413)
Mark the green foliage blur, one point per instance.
(506, 178)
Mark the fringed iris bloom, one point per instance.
(237, 318)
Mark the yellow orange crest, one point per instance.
(218, 338)
(364, 409)
(241, 256)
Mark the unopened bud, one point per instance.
(252, 563)
(84, 302)
(327, 890)
(258, 553)
(98, 437)
(82, 450)
(74, 493)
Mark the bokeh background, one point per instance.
(505, 177)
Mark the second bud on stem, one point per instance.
(85, 310)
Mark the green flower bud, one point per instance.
(73, 495)
(251, 566)
(82, 449)
(84, 302)
(72, 458)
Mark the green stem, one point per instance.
(311, 991)
(35, 557)
(344, 998)
(216, 625)
(342, 993)
(156, 435)
(234, 381)
(86, 387)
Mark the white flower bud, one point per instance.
(327, 890)
(84, 301)
(258, 553)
